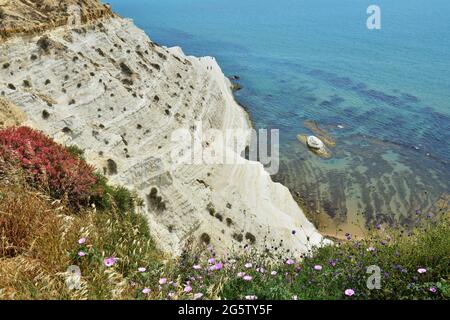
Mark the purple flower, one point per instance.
(81, 240)
(81, 254)
(146, 291)
(162, 281)
(371, 249)
(211, 260)
(433, 289)
(290, 261)
(218, 266)
(349, 292)
(247, 278)
(142, 269)
(421, 270)
(274, 273)
(248, 265)
(198, 296)
(187, 289)
(317, 267)
(241, 274)
(109, 262)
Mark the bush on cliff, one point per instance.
(49, 164)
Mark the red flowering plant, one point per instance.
(49, 164)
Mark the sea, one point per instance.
(380, 98)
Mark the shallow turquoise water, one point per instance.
(315, 60)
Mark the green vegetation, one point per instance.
(43, 237)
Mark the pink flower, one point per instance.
(251, 297)
(317, 267)
(241, 274)
(218, 266)
(247, 278)
(274, 273)
(211, 260)
(146, 291)
(196, 267)
(187, 289)
(81, 254)
(433, 289)
(349, 292)
(198, 296)
(421, 270)
(290, 261)
(162, 281)
(260, 270)
(142, 269)
(248, 265)
(109, 262)
(81, 240)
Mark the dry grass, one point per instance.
(39, 241)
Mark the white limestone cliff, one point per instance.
(110, 90)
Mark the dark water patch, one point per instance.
(334, 101)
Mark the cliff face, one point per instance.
(27, 17)
(109, 89)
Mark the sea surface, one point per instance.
(313, 67)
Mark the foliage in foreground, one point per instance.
(43, 238)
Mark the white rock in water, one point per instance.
(315, 142)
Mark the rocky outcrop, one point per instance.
(31, 17)
(113, 92)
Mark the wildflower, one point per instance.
(247, 278)
(248, 265)
(211, 260)
(196, 267)
(198, 296)
(433, 289)
(142, 269)
(295, 297)
(290, 261)
(421, 270)
(81, 254)
(378, 226)
(171, 294)
(371, 249)
(109, 262)
(260, 270)
(317, 267)
(187, 289)
(81, 240)
(274, 273)
(146, 291)
(349, 292)
(218, 266)
(241, 274)
(162, 281)
(251, 297)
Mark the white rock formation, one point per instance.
(108, 89)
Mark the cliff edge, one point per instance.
(105, 86)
